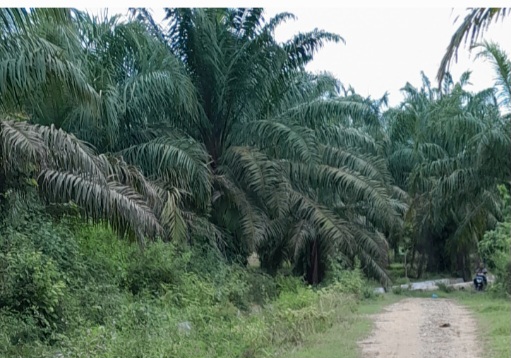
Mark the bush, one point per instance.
(152, 269)
(368, 293)
(297, 315)
(262, 288)
(350, 281)
(26, 223)
(31, 284)
(17, 332)
(397, 290)
(105, 256)
(96, 295)
(191, 291)
(288, 283)
(494, 249)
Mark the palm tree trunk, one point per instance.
(412, 260)
(463, 264)
(420, 268)
(313, 271)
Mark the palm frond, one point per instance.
(284, 140)
(123, 207)
(180, 162)
(171, 217)
(473, 25)
(301, 47)
(502, 67)
(252, 220)
(20, 143)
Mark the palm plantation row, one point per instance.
(206, 126)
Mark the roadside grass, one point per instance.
(341, 340)
(494, 321)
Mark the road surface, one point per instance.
(423, 328)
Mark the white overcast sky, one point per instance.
(385, 47)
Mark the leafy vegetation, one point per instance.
(494, 249)
(197, 126)
(492, 315)
(142, 164)
(72, 288)
(445, 154)
(470, 30)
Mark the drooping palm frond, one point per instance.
(292, 141)
(470, 30)
(303, 46)
(329, 225)
(175, 161)
(24, 19)
(172, 219)
(20, 144)
(33, 55)
(122, 206)
(68, 169)
(502, 67)
(250, 218)
(342, 136)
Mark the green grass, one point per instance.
(341, 340)
(494, 320)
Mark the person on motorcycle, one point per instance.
(481, 271)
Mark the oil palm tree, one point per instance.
(210, 126)
(445, 154)
(262, 118)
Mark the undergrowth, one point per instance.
(72, 290)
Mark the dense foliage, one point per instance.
(205, 127)
(73, 289)
(202, 141)
(494, 248)
(446, 153)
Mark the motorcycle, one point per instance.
(479, 282)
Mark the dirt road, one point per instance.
(423, 328)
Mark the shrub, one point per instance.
(31, 284)
(152, 269)
(444, 288)
(262, 288)
(368, 293)
(105, 256)
(17, 331)
(288, 283)
(297, 315)
(397, 290)
(191, 291)
(123, 302)
(494, 249)
(351, 281)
